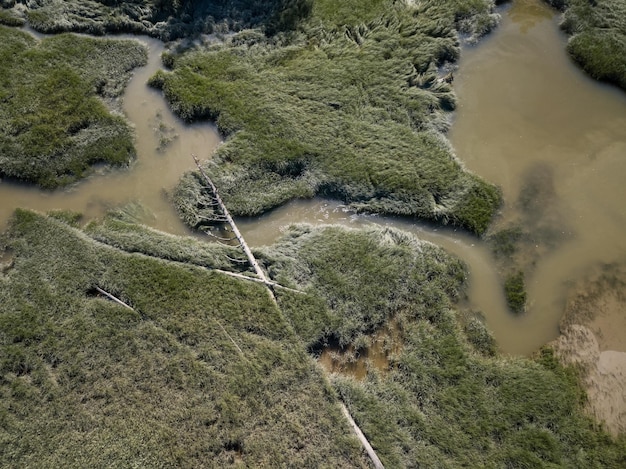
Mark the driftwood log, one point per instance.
(228, 219)
(270, 285)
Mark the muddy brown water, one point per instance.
(528, 120)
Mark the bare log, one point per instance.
(366, 444)
(269, 283)
(111, 297)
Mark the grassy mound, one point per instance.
(349, 106)
(54, 122)
(447, 398)
(598, 37)
(85, 382)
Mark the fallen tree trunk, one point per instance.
(253, 262)
(366, 444)
(269, 283)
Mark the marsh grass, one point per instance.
(348, 106)
(447, 398)
(9, 18)
(515, 292)
(53, 120)
(165, 19)
(85, 382)
(598, 37)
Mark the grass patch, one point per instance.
(342, 108)
(54, 122)
(598, 37)
(9, 18)
(448, 399)
(85, 382)
(364, 277)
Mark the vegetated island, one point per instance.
(598, 36)
(206, 371)
(54, 120)
(348, 104)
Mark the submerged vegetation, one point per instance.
(205, 371)
(54, 123)
(349, 105)
(598, 36)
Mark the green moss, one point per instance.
(54, 122)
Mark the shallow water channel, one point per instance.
(528, 120)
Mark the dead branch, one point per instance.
(231, 339)
(111, 297)
(269, 283)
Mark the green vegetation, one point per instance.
(206, 371)
(165, 19)
(348, 106)
(598, 36)
(365, 277)
(54, 122)
(448, 399)
(85, 382)
(515, 292)
(8, 18)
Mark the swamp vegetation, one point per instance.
(335, 98)
(205, 371)
(349, 105)
(54, 122)
(163, 19)
(598, 36)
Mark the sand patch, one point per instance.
(594, 338)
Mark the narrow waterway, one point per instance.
(528, 120)
(164, 146)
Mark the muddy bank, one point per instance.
(593, 339)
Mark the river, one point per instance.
(528, 120)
